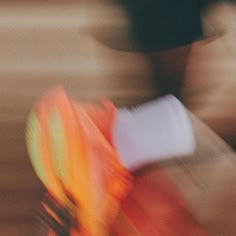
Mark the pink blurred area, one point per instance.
(210, 85)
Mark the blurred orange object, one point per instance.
(78, 165)
(94, 186)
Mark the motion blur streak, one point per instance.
(88, 47)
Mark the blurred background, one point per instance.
(43, 44)
(91, 49)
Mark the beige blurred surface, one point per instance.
(45, 44)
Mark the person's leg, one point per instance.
(206, 179)
(209, 87)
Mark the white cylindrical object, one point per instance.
(157, 130)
